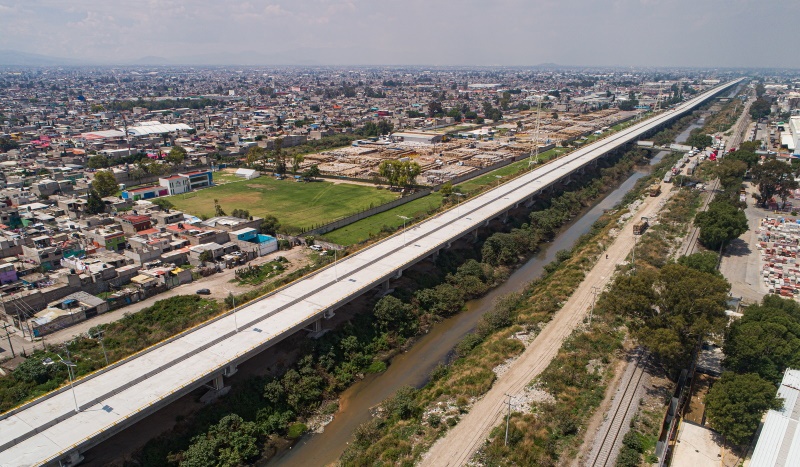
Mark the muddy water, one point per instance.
(681, 138)
(413, 367)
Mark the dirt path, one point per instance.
(460, 443)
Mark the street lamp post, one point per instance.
(458, 203)
(405, 219)
(49, 361)
(99, 336)
(233, 302)
(335, 271)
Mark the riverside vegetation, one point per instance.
(273, 408)
(400, 438)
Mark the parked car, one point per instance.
(203, 292)
(316, 247)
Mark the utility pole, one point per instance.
(8, 336)
(634, 254)
(508, 415)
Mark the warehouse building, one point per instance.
(778, 444)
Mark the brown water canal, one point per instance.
(414, 367)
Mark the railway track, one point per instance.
(622, 408)
(694, 233)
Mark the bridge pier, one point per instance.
(74, 458)
(216, 388)
(218, 383)
(434, 256)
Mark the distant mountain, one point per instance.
(14, 57)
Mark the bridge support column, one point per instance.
(504, 217)
(218, 383)
(434, 256)
(475, 235)
(74, 458)
(217, 389)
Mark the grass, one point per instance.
(298, 206)
(386, 221)
(389, 221)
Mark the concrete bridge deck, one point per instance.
(49, 430)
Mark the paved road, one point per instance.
(49, 429)
(741, 263)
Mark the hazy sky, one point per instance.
(704, 33)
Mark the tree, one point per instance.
(719, 224)
(269, 225)
(176, 155)
(230, 443)
(94, 203)
(7, 144)
(491, 112)
(748, 156)
(671, 310)
(280, 157)
(255, 154)
(206, 256)
(455, 113)
(760, 109)
(774, 178)
(98, 162)
(163, 203)
(385, 127)
(391, 314)
(312, 172)
(736, 403)
(399, 173)
(766, 340)
(218, 211)
(730, 173)
(760, 90)
(698, 139)
(705, 261)
(297, 159)
(104, 183)
(241, 213)
(435, 109)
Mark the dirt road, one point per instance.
(460, 443)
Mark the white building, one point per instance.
(176, 184)
(779, 442)
(791, 138)
(247, 174)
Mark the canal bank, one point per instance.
(413, 367)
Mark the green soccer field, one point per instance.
(296, 205)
